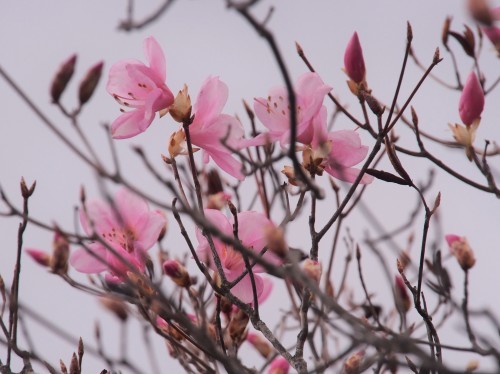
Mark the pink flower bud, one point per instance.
(260, 344)
(62, 78)
(471, 102)
(177, 273)
(40, 257)
(401, 295)
(279, 366)
(493, 33)
(460, 248)
(354, 63)
(89, 83)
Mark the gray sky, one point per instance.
(202, 38)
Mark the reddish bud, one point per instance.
(279, 366)
(237, 327)
(62, 78)
(60, 254)
(260, 344)
(312, 269)
(40, 257)
(89, 83)
(354, 63)
(115, 306)
(401, 295)
(471, 103)
(177, 273)
(460, 248)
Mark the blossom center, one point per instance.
(124, 237)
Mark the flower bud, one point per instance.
(312, 269)
(115, 306)
(62, 78)
(40, 257)
(177, 273)
(89, 83)
(260, 344)
(460, 248)
(218, 200)
(353, 363)
(493, 34)
(180, 110)
(276, 243)
(237, 326)
(401, 295)
(480, 11)
(465, 135)
(60, 254)
(354, 63)
(177, 144)
(279, 366)
(471, 103)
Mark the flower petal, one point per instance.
(348, 174)
(347, 149)
(210, 102)
(155, 57)
(243, 289)
(89, 261)
(130, 124)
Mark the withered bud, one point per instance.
(115, 306)
(260, 344)
(445, 31)
(404, 260)
(312, 269)
(401, 296)
(409, 32)
(74, 367)
(289, 172)
(480, 11)
(140, 285)
(62, 78)
(353, 363)
(25, 190)
(81, 348)
(177, 144)
(164, 229)
(414, 117)
(225, 305)
(89, 83)
(214, 182)
(436, 59)
(180, 110)
(276, 243)
(177, 273)
(60, 254)
(63, 367)
(237, 327)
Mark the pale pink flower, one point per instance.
(471, 103)
(342, 150)
(274, 111)
(210, 127)
(129, 227)
(279, 366)
(251, 232)
(141, 88)
(354, 63)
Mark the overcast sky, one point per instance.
(202, 38)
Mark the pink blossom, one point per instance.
(354, 63)
(210, 127)
(251, 232)
(129, 227)
(493, 34)
(279, 366)
(342, 150)
(471, 102)
(274, 112)
(140, 87)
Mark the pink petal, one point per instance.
(243, 289)
(210, 102)
(155, 57)
(89, 261)
(251, 226)
(227, 163)
(348, 174)
(149, 228)
(130, 124)
(354, 62)
(451, 238)
(311, 92)
(471, 103)
(120, 83)
(130, 206)
(347, 149)
(273, 112)
(493, 34)
(99, 218)
(266, 289)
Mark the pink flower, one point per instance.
(129, 227)
(354, 63)
(471, 102)
(279, 366)
(140, 87)
(210, 127)
(251, 232)
(274, 112)
(493, 33)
